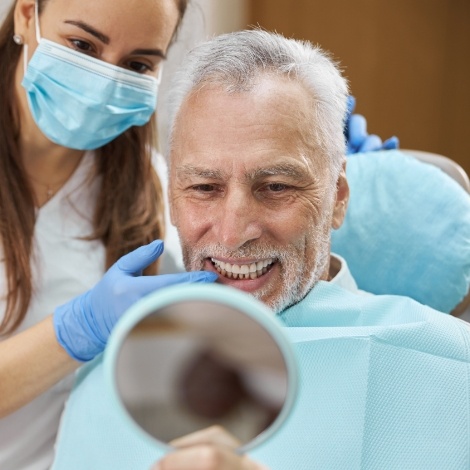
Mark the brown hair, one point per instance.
(129, 210)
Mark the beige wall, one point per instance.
(4, 7)
(408, 62)
(224, 16)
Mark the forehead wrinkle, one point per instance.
(191, 171)
(280, 169)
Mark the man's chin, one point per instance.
(269, 286)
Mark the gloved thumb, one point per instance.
(137, 260)
(146, 284)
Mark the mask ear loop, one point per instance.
(38, 36)
(36, 21)
(159, 75)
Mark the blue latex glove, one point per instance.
(83, 325)
(357, 138)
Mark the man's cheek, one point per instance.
(182, 216)
(190, 237)
(174, 206)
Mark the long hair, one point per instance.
(129, 209)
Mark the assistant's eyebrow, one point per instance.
(190, 171)
(156, 52)
(89, 29)
(281, 169)
(106, 40)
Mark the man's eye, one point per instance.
(204, 188)
(276, 187)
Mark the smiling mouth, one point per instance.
(243, 271)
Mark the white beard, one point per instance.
(298, 276)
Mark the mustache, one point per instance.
(256, 251)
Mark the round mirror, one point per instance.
(190, 357)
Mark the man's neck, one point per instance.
(335, 266)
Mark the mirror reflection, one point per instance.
(195, 364)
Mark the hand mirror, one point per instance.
(192, 356)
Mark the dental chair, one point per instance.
(455, 171)
(407, 228)
(448, 166)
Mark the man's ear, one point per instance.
(24, 20)
(342, 199)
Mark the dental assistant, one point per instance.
(78, 196)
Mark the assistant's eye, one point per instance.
(139, 67)
(81, 46)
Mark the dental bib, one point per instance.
(384, 384)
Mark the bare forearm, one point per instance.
(30, 363)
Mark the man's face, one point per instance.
(250, 194)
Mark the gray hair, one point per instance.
(236, 61)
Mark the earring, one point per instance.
(18, 39)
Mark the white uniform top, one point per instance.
(63, 267)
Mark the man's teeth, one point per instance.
(242, 271)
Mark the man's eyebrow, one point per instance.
(89, 29)
(281, 169)
(188, 171)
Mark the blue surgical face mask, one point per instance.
(81, 102)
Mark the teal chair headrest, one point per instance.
(407, 229)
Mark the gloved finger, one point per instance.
(391, 144)
(351, 104)
(137, 260)
(357, 130)
(146, 284)
(371, 143)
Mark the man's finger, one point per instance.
(215, 435)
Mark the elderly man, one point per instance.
(257, 182)
(257, 162)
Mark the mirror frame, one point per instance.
(228, 296)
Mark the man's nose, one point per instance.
(239, 220)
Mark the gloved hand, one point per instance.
(83, 324)
(357, 138)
